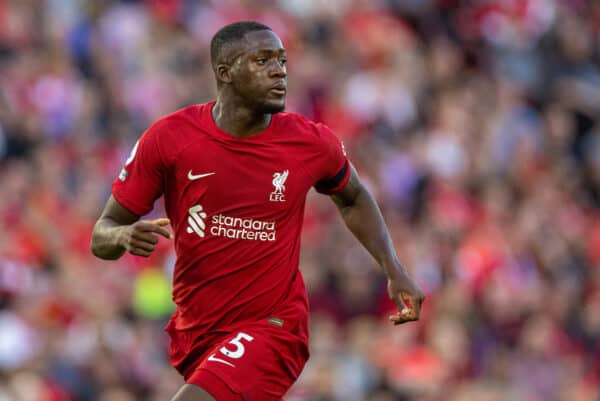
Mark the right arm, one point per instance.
(119, 230)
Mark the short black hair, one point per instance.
(229, 34)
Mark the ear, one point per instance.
(223, 72)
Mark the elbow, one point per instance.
(108, 257)
(96, 249)
(100, 251)
(95, 246)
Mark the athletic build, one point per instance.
(234, 174)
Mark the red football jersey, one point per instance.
(236, 207)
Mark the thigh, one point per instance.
(191, 392)
(257, 362)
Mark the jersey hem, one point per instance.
(214, 385)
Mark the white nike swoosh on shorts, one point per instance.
(212, 357)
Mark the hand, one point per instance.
(140, 237)
(407, 297)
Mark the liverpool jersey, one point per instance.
(236, 207)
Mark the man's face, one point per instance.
(258, 72)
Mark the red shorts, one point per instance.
(257, 361)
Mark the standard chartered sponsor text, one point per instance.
(239, 228)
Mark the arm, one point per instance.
(363, 217)
(118, 230)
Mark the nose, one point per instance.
(278, 70)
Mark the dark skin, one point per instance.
(251, 84)
(251, 81)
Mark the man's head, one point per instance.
(249, 63)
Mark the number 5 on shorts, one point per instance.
(239, 350)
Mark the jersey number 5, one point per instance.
(239, 350)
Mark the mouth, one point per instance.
(279, 89)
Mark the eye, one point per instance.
(283, 61)
(261, 61)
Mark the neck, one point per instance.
(238, 119)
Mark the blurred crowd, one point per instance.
(476, 124)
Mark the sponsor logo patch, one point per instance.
(229, 227)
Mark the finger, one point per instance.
(140, 252)
(150, 226)
(411, 302)
(399, 318)
(145, 236)
(398, 301)
(408, 303)
(420, 300)
(408, 311)
(142, 245)
(142, 240)
(163, 221)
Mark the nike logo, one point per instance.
(193, 177)
(212, 357)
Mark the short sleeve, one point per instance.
(140, 182)
(335, 168)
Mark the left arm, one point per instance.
(363, 217)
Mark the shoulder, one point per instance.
(172, 132)
(178, 118)
(176, 126)
(300, 125)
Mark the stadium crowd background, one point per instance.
(475, 124)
